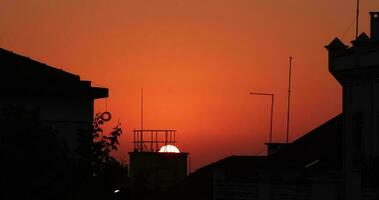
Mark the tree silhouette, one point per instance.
(36, 164)
(103, 172)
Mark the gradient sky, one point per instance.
(197, 61)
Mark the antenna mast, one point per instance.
(141, 133)
(141, 108)
(289, 100)
(357, 21)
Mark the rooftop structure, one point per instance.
(152, 140)
(356, 68)
(155, 160)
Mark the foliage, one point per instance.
(102, 145)
(39, 163)
(104, 172)
(96, 148)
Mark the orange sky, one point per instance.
(197, 60)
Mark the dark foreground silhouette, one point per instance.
(51, 148)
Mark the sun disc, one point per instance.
(169, 149)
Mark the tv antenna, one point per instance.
(272, 110)
(357, 21)
(289, 99)
(141, 108)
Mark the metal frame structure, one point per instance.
(272, 110)
(151, 140)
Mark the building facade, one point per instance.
(45, 112)
(357, 69)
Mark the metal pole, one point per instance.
(152, 141)
(289, 100)
(141, 108)
(272, 110)
(165, 142)
(134, 141)
(357, 21)
(272, 116)
(141, 139)
(156, 141)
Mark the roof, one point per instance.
(199, 185)
(323, 144)
(362, 40)
(238, 166)
(361, 45)
(320, 149)
(22, 76)
(336, 44)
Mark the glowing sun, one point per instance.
(169, 149)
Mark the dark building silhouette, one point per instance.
(304, 169)
(155, 162)
(42, 110)
(60, 98)
(157, 170)
(338, 160)
(356, 68)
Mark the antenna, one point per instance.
(272, 110)
(141, 134)
(289, 99)
(141, 109)
(357, 21)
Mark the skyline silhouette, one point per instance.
(178, 78)
(196, 61)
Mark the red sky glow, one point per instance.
(197, 61)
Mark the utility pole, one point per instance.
(357, 21)
(289, 100)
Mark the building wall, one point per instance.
(265, 186)
(157, 170)
(66, 115)
(358, 74)
(362, 114)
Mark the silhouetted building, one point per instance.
(155, 162)
(42, 110)
(273, 147)
(357, 69)
(157, 170)
(338, 160)
(60, 98)
(304, 169)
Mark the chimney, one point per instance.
(374, 26)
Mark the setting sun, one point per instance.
(197, 62)
(169, 149)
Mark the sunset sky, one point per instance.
(197, 61)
